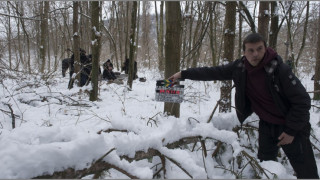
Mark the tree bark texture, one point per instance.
(172, 48)
(274, 28)
(76, 39)
(317, 67)
(132, 43)
(229, 37)
(95, 46)
(263, 19)
(160, 37)
(44, 34)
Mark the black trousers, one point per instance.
(299, 152)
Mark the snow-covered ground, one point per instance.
(57, 128)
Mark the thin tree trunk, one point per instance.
(172, 48)
(249, 18)
(132, 43)
(96, 48)
(274, 29)
(119, 33)
(240, 35)
(190, 33)
(9, 37)
(184, 44)
(160, 36)
(20, 60)
(304, 35)
(138, 30)
(316, 95)
(211, 34)
(76, 40)
(44, 34)
(127, 43)
(289, 46)
(263, 19)
(229, 37)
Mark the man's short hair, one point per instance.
(253, 38)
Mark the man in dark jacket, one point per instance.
(85, 67)
(125, 68)
(108, 73)
(265, 85)
(65, 66)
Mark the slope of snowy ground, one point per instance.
(57, 128)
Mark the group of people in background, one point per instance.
(86, 67)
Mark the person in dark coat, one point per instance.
(125, 68)
(65, 66)
(108, 73)
(86, 66)
(85, 70)
(267, 86)
(106, 64)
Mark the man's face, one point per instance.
(254, 52)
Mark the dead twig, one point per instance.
(254, 163)
(13, 116)
(112, 130)
(315, 106)
(179, 165)
(163, 161)
(218, 103)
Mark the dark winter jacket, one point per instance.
(109, 75)
(286, 90)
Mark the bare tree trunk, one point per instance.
(85, 31)
(9, 37)
(186, 18)
(20, 43)
(127, 43)
(317, 67)
(190, 34)
(211, 34)
(263, 19)
(288, 33)
(138, 30)
(172, 48)
(66, 31)
(113, 46)
(76, 40)
(304, 35)
(26, 41)
(146, 32)
(215, 32)
(250, 20)
(160, 37)
(274, 29)
(55, 43)
(96, 47)
(290, 22)
(48, 48)
(196, 35)
(229, 37)
(120, 31)
(44, 34)
(132, 43)
(240, 34)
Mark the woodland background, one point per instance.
(35, 35)
(163, 37)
